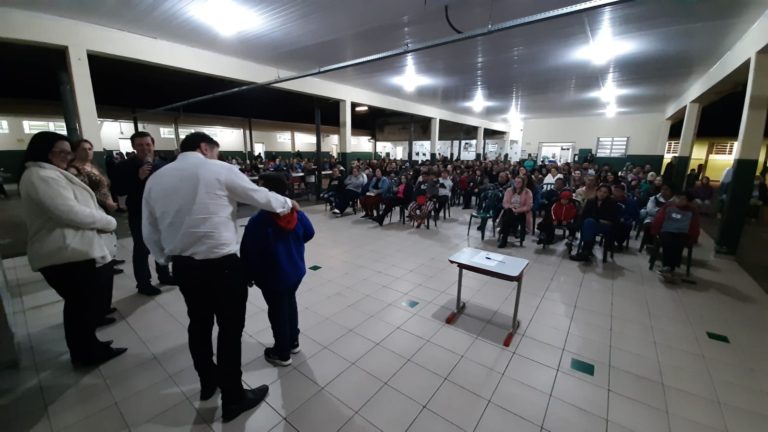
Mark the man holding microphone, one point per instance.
(136, 172)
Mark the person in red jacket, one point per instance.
(677, 225)
(562, 213)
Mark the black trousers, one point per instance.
(512, 222)
(80, 285)
(141, 256)
(215, 289)
(344, 199)
(547, 229)
(442, 202)
(107, 282)
(672, 245)
(283, 313)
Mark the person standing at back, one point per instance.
(136, 171)
(188, 219)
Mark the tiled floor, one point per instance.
(370, 363)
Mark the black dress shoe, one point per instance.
(117, 271)
(107, 342)
(149, 290)
(100, 357)
(251, 399)
(110, 311)
(118, 262)
(207, 391)
(167, 280)
(104, 321)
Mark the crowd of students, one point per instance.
(583, 199)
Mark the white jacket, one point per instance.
(64, 221)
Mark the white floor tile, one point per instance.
(564, 417)
(452, 339)
(416, 382)
(351, 346)
(635, 415)
(292, 390)
(475, 377)
(581, 394)
(427, 421)
(638, 388)
(497, 419)
(436, 358)
(381, 363)
(107, 420)
(354, 387)
(321, 413)
(696, 408)
(374, 329)
(323, 367)
(358, 424)
(457, 405)
(539, 351)
(390, 410)
(403, 343)
(520, 399)
(325, 332)
(741, 420)
(151, 401)
(422, 327)
(533, 373)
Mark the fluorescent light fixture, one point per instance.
(611, 109)
(410, 80)
(609, 92)
(361, 108)
(603, 48)
(478, 103)
(226, 16)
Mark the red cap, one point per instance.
(566, 195)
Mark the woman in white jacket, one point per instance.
(67, 242)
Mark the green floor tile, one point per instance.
(718, 337)
(315, 268)
(410, 303)
(583, 367)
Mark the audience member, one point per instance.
(516, 218)
(677, 225)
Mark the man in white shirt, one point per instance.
(189, 212)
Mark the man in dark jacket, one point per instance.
(135, 172)
(272, 252)
(600, 216)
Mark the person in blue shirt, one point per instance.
(272, 252)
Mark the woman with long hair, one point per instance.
(66, 243)
(516, 216)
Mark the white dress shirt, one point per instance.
(190, 206)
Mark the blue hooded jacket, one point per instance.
(272, 249)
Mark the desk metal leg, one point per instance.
(460, 305)
(515, 321)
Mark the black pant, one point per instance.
(468, 194)
(141, 255)
(80, 285)
(512, 222)
(672, 245)
(107, 282)
(215, 288)
(547, 229)
(283, 313)
(345, 198)
(442, 202)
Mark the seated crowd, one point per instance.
(591, 203)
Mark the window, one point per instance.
(168, 133)
(612, 147)
(723, 149)
(672, 148)
(33, 127)
(3, 126)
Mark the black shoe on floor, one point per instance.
(379, 220)
(110, 311)
(274, 360)
(105, 321)
(118, 262)
(207, 391)
(295, 348)
(101, 357)
(167, 280)
(117, 271)
(107, 343)
(149, 290)
(582, 257)
(251, 399)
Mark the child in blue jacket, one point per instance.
(272, 252)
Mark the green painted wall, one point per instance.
(618, 163)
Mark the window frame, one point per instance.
(613, 142)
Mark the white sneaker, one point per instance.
(336, 212)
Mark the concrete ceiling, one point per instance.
(669, 43)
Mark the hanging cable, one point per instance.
(448, 19)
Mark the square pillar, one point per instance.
(434, 133)
(687, 137)
(663, 138)
(80, 74)
(345, 131)
(745, 164)
(479, 147)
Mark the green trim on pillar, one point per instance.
(681, 170)
(737, 205)
(433, 157)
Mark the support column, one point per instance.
(176, 134)
(735, 210)
(687, 137)
(345, 132)
(410, 142)
(434, 133)
(318, 152)
(663, 138)
(77, 59)
(69, 105)
(480, 144)
(250, 137)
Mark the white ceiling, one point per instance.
(674, 41)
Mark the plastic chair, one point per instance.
(487, 203)
(656, 250)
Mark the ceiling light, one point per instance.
(361, 108)
(478, 103)
(603, 48)
(226, 16)
(410, 79)
(611, 109)
(609, 92)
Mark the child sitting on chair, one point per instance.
(677, 225)
(563, 213)
(425, 193)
